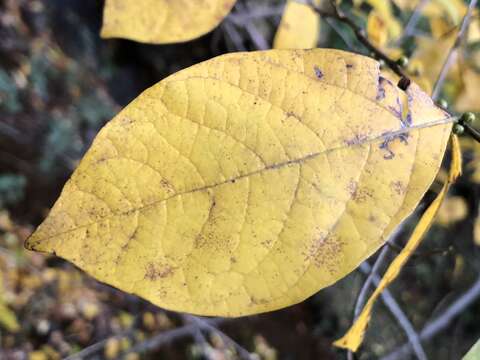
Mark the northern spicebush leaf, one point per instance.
(162, 21)
(248, 182)
(299, 27)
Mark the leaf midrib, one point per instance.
(384, 136)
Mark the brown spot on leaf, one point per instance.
(154, 272)
(398, 187)
(167, 186)
(318, 72)
(324, 253)
(357, 193)
(356, 140)
(125, 121)
(380, 89)
(352, 187)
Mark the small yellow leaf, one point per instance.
(354, 337)
(8, 319)
(299, 27)
(383, 10)
(377, 29)
(162, 21)
(248, 182)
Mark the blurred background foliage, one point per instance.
(60, 83)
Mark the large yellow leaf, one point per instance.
(162, 21)
(248, 182)
(299, 28)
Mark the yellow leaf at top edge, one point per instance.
(162, 21)
(248, 182)
(299, 27)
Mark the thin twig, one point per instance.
(97, 347)
(239, 18)
(441, 322)
(342, 36)
(339, 15)
(362, 295)
(397, 312)
(203, 324)
(168, 336)
(257, 38)
(451, 54)
(199, 337)
(413, 20)
(234, 37)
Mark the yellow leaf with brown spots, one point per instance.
(299, 27)
(248, 182)
(162, 21)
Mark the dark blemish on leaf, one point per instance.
(380, 89)
(255, 301)
(380, 94)
(398, 187)
(356, 140)
(396, 112)
(352, 187)
(167, 186)
(233, 181)
(324, 252)
(153, 272)
(408, 119)
(318, 72)
(358, 194)
(386, 144)
(292, 114)
(349, 66)
(267, 243)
